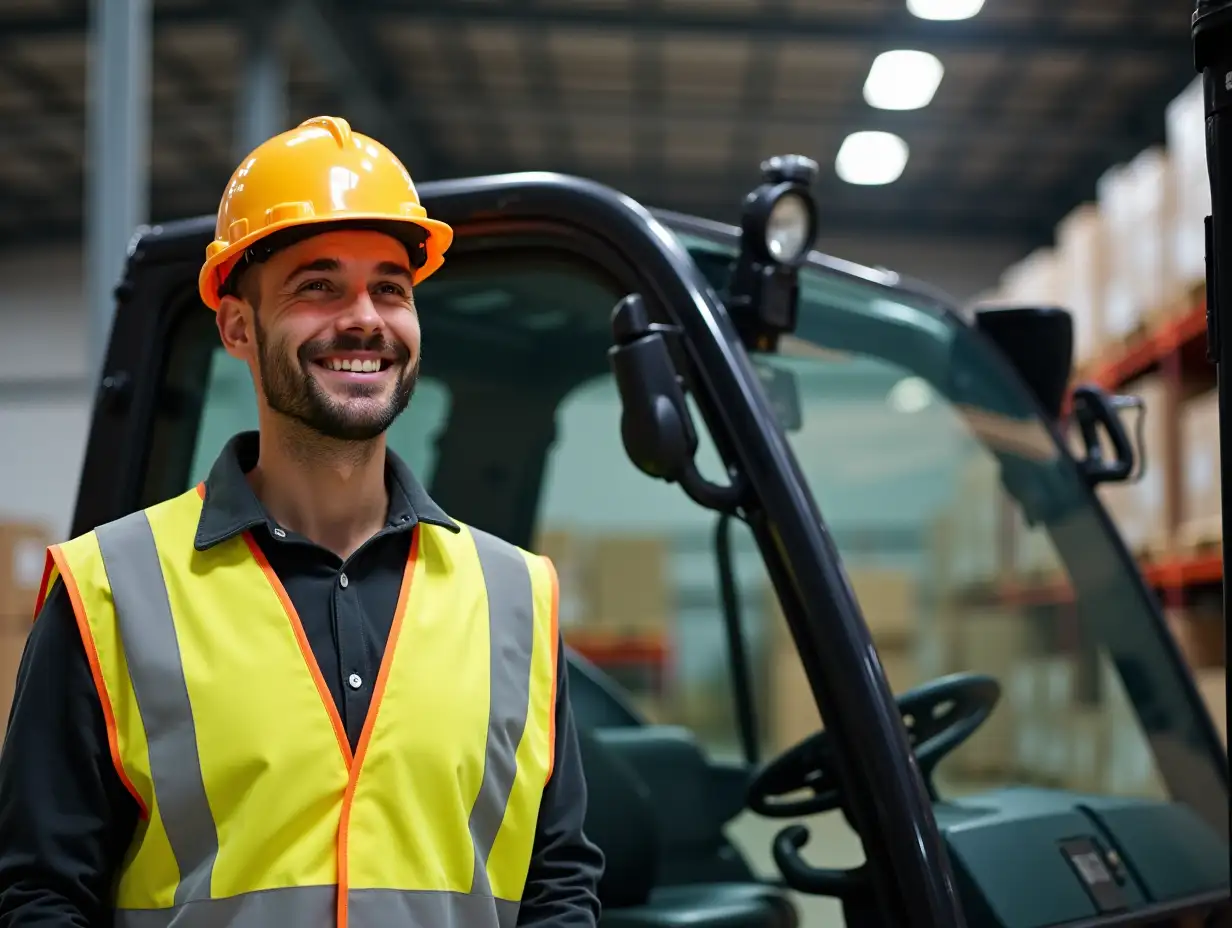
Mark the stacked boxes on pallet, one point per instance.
(890, 600)
(616, 606)
(1129, 264)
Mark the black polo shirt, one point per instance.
(66, 820)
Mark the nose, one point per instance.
(361, 314)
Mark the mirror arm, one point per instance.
(656, 426)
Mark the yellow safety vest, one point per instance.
(254, 811)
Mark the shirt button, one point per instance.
(343, 581)
(279, 533)
(355, 680)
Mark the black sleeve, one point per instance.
(66, 819)
(562, 885)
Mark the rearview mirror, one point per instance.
(1039, 342)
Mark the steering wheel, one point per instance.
(939, 716)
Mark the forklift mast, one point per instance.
(1212, 40)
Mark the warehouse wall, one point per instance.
(44, 398)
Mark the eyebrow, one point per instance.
(384, 269)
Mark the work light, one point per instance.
(777, 230)
(780, 216)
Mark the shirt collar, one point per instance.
(231, 507)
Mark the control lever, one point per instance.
(803, 877)
(1093, 407)
(655, 424)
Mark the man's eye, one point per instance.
(317, 285)
(391, 290)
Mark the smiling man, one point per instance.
(300, 694)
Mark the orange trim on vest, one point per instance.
(305, 648)
(96, 670)
(378, 693)
(49, 571)
(555, 658)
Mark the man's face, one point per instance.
(330, 331)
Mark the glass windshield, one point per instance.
(909, 431)
(972, 544)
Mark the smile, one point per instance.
(353, 365)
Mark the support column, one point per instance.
(118, 165)
(261, 111)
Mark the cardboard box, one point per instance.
(1199, 633)
(1213, 685)
(1185, 130)
(1033, 281)
(628, 583)
(976, 510)
(1138, 205)
(995, 642)
(13, 633)
(889, 599)
(1201, 507)
(1143, 510)
(617, 583)
(793, 713)
(569, 554)
(1082, 275)
(23, 554)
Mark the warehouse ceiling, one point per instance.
(674, 102)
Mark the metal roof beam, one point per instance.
(587, 113)
(847, 30)
(350, 53)
(1134, 38)
(958, 127)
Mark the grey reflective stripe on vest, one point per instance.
(147, 632)
(511, 621)
(314, 907)
(152, 651)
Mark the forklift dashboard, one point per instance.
(884, 413)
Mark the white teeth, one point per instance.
(345, 364)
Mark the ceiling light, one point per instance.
(944, 9)
(871, 158)
(903, 80)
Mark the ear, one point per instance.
(235, 328)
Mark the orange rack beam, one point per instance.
(610, 648)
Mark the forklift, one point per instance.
(700, 330)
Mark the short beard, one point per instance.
(290, 389)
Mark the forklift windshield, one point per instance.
(910, 430)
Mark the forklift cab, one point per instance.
(596, 369)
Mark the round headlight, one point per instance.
(788, 227)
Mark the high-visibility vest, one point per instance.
(254, 812)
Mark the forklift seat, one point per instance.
(621, 820)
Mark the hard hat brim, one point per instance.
(439, 238)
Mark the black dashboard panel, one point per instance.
(1031, 858)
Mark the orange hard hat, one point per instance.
(317, 176)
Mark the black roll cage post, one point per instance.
(1212, 44)
(911, 876)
